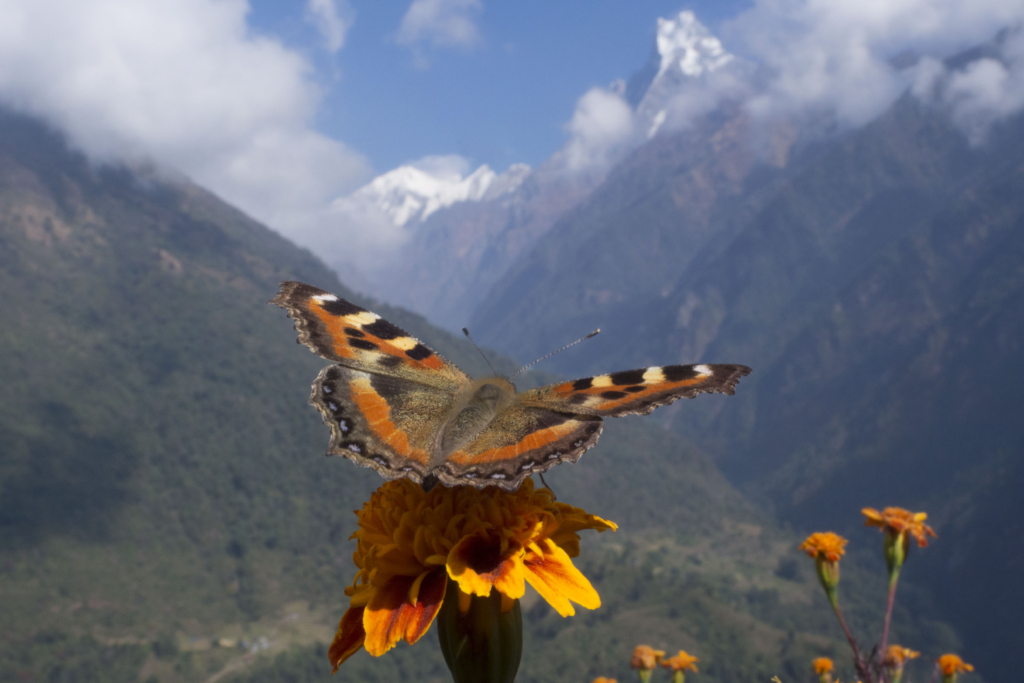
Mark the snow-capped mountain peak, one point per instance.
(410, 193)
(687, 43)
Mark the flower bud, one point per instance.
(481, 642)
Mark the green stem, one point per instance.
(858, 660)
(893, 578)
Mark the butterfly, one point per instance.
(395, 405)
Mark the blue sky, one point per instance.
(505, 99)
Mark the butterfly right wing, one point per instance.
(635, 392)
(348, 334)
(382, 422)
(519, 441)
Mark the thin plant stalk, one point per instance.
(858, 660)
(888, 611)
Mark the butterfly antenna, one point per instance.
(466, 332)
(592, 334)
(547, 485)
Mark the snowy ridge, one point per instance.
(688, 44)
(687, 67)
(409, 193)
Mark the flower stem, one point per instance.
(893, 579)
(858, 660)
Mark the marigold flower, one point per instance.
(899, 525)
(681, 661)
(823, 665)
(899, 521)
(826, 548)
(826, 545)
(602, 679)
(645, 657)
(897, 655)
(410, 542)
(951, 665)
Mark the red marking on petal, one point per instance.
(349, 638)
(477, 564)
(428, 603)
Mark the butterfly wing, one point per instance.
(519, 441)
(634, 391)
(352, 336)
(387, 423)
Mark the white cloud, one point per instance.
(442, 23)
(333, 18)
(835, 54)
(600, 129)
(986, 90)
(183, 82)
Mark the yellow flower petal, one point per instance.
(553, 575)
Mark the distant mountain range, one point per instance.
(872, 279)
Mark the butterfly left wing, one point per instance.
(634, 392)
(352, 336)
(382, 422)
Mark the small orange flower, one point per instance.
(602, 679)
(826, 545)
(823, 665)
(645, 657)
(951, 665)
(897, 655)
(898, 521)
(681, 661)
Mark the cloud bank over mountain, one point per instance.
(187, 84)
(845, 56)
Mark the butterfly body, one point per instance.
(396, 406)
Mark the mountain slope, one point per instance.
(872, 280)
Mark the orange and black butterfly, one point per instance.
(394, 405)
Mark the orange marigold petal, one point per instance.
(390, 616)
(823, 665)
(348, 639)
(645, 657)
(428, 604)
(476, 563)
(553, 575)
(952, 664)
(874, 517)
(682, 661)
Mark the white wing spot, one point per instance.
(325, 297)
(601, 381)
(362, 318)
(702, 369)
(404, 343)
(654, 375)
